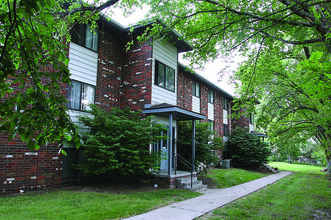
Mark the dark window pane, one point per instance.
(83, 35)
(87, 96)
(170, 79)
(74, 99)
(211, 96)
(225, 106)
(78, 34)
(91, 38)
(160, 75)
(197, 89)
(193, 88)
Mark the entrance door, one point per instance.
(163, 146)
(164, 150)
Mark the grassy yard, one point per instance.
(225, 178)
(87, 205)
(306, 194)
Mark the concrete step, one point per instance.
(186, 180)
(271, 169)
(185, 183)
(199, 188)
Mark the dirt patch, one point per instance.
(102, 186)
(114, 188)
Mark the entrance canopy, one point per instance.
(178, 113)
(258, 134)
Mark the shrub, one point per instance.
(247, 150)
(205, 145)
(117, 143)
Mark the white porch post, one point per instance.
(170, 144)
(193, 145)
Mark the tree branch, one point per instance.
(311, 41)
(90, 8)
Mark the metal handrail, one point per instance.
(186, 163)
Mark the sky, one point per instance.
(210, 70)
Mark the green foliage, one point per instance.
(117, 143)
(287, 46)
(206, 143)
(247, 150)
(34, 68)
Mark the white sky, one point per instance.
(211, 69)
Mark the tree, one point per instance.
(206, 144)
(295, 93)
(288, 47)
(34, 68)
(117, 143)
(247, 150)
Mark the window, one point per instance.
(225, 130)
(80, 95)
(225, 104)
(251, 118)
(211, 125)
(83, 35)
(196, 88)
(211, 96)
(164, 76)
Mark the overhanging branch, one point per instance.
(89, 8)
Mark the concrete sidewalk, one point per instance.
(212, 199)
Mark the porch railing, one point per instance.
(185, 163)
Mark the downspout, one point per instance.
(37, 170)
(193, 151)
(170, 144)
(230, 125)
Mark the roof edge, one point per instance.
(195, 75)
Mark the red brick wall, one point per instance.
(109, 70)
(136, 79)
(242, 121)
(204, 101)
(184, 91)
(22, 169)
(218, 114)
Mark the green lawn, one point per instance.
(306, 194)
(296, 167)
(87, 205)
(225, 178)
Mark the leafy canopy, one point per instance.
(34, 68)
(287, 45)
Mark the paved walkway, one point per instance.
(212, 199)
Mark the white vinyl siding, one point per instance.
(83, 64)
(225, 117)
(166, 54)
(251, 127)
(196, 104)
(210, 111)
